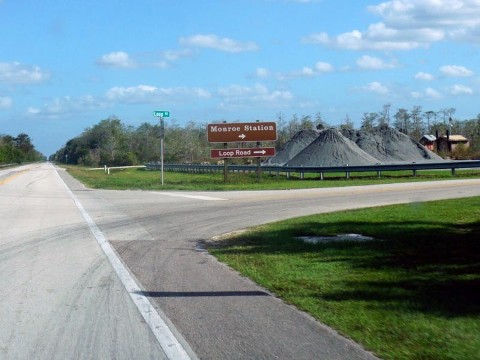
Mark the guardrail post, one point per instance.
(453, 171)
(321, 176)
(414, 173)
(379, 174)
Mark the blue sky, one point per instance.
(66, 65)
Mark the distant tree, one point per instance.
(306, 122)
(384, 115)
(347, 124)
(368, 121)
(18, 149)
(320, 123)
(283, 134)
(402, 120)
(429, 116)
(417, 122)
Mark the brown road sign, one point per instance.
(242, 132)
(241, 153)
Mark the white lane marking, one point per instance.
(167, 340)
(196, 197)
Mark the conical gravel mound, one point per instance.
(390, 145)
(331, 148)
(292, 147)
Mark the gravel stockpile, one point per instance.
(390, 145)
(331, 148)
(292, 147)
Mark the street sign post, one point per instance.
(242, 153)
(242, 132)
(161, 114)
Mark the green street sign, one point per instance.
(161, 113)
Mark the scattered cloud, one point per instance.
(318, 69)
(59, 107)
(262, 73)
(212, 41)
(174, 55)
(117, 59)
(424, 76)
(237, 96)
(151, 94)
(5, 102)
(410, 24)
(323, 67)
(461, 90)
(375, 87)
(456, 71)
(16, 73)
(373, 63)
(428, 93)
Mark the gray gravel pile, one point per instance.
(331, 148)
(292, 147)
(390, 145)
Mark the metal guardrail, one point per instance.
(379, 168)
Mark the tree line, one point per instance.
(112, 143)
(17, 149)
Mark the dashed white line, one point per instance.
(164, 335)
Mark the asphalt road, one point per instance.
(61, 297)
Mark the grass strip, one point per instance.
(142, 179)
(412, 294)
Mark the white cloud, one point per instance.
(410, 24)
(428, 93)
(456, 71)
(174, 55)
(118, 59)
(59, 107)
(375, 87)
(461, 90)
(150, 94)
(432, 93)
(424, 76)
(262, 73)
(212, 41)
(373, 63)
(318, 69)
(6, 102)
(324, 67)
(237, 96)
(16, 73)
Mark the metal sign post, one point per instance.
(161, 114)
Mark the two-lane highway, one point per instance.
(62, 298)
(59, 297)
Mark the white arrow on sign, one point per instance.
(243, 136)
(260, 152)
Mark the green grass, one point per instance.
(413, 295)
(150, 180)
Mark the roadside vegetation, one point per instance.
(141, 179)
(15, 150)
(413, 293)
(113, 143)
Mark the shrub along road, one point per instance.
(157, 234)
